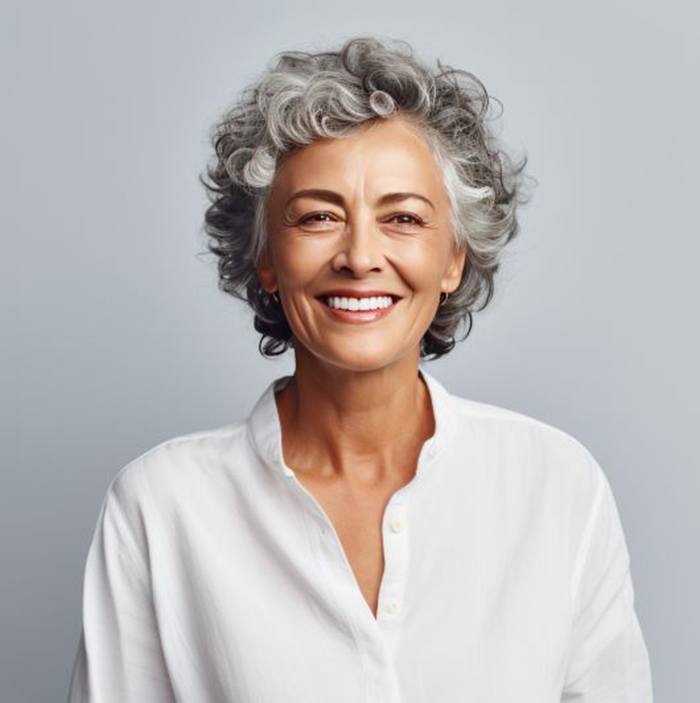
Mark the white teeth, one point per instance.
(360, 303)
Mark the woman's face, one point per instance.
(340, 219)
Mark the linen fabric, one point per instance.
(213, 575)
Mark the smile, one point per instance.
(358, 310)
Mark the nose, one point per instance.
(360, 249)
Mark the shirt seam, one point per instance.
(127, 544)
(586, 544)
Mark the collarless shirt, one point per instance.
(213, 575)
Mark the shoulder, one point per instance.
(506, 422)
(537, 461)
(176, 464)
(529, 442)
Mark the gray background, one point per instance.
(114, 336)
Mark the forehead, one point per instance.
(383, 153)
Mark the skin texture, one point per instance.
(356, 414)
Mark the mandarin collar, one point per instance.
(265, 430)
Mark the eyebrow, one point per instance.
(337, 199)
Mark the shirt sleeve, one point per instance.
(608, 660)
(119, 655)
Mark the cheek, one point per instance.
(421, 266)
(298, 263)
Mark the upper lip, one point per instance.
(355, 293)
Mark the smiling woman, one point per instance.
(309, 114)
(363, 534)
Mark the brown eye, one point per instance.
(412, 219)
(312, 218)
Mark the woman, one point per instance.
(364, 535)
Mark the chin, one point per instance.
(359, 357)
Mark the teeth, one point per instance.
(359, 303)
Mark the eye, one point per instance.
(406, 219)
(413, 220)
(313, 216)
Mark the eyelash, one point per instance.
(418, 221)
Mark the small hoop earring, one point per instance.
(443, 300)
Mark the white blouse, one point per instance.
(213, 575)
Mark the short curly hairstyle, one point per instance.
(304, 96)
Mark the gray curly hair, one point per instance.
(304, 96)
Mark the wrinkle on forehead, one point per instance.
(386, 155)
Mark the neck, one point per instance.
(362, 427)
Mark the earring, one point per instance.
(443, 301)
(275, 295)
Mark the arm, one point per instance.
(608, 660)
(119, 655)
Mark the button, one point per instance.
(392, 606)
(396, 524)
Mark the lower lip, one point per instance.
(359, 316)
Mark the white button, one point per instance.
(396, 524)
(392, 606)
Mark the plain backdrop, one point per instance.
(115, 337)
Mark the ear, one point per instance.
(453, 275)
(266, 272)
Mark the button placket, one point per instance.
(396, 546)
